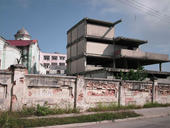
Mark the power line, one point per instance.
(150, 11)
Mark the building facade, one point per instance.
(92, 45)
(54, 63)
(23, 51)
(8, 54)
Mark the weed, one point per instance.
(42, 110)
(112, 107)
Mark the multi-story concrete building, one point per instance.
(55, 63)
(92, 45)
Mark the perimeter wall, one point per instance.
(19, 89)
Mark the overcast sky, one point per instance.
(48, 21)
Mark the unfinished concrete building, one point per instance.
(92, 46)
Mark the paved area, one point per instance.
(160, 122)
(148, 114)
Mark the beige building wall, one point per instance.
(98, 30)
(77, 66)
(99, 49)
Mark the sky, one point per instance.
(48, 21)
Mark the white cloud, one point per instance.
(24, 3)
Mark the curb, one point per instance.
(105, 121)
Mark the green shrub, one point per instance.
(42, 110)
(137, 75)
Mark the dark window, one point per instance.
(62, 64)
(54, 64)
(62, 58)
(54, 57)
(47, 72)
(46, 65)
(58, 72)
(46, 57)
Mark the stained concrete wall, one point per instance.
(93, 91)
(5, 87)
(137, 93)
(162, 93)
(52, 90)
(23, 90)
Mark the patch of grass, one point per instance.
(111, 107)
(45, 110)
(155, 104)
(9, 120)
(78, 119)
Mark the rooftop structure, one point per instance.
(22, 34)
(92, 45)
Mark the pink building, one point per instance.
(55, 63)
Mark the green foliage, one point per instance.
(42, 110)
(137, 75)
(155, 104)
(45, 110)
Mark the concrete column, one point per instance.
(154, 91)
(114, 64)
(119, 93)
(17, 89)
(160, 67)
(80, 93)
(75, 94)
(125, 63)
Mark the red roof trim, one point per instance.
(21, 42)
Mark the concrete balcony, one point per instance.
(139, 55)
